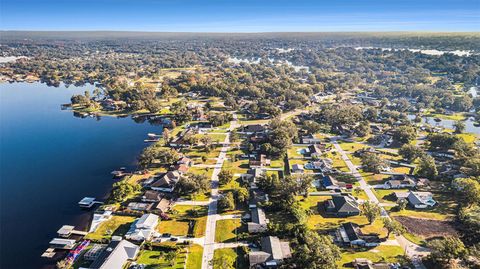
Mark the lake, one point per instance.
(49, 160)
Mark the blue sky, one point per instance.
(241, 15)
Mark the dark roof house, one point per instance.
(342, 206)
(272, 253)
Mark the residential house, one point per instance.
(272, 253)
(330, 183)
(324, 165)
(181, 168)
(310, 139)
(363, 263)
(342, 206)
(419, 199)
(254, 129)
(143, 228)
(297, 168)
(400, 182)
(139, 206)
(167, 182)
(349, 234)
(315, 151)
(116, 255)
(259, 221)
(186, 161)
(260, 163)
(252, 176)
(151, 196)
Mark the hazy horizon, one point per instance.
(217, 16)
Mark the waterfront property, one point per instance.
(115, 255)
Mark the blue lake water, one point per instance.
(49, 160)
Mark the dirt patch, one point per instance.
(427, 227)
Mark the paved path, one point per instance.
(231, 245)
(191, 202)
(209, 243)
(222, 217)
(415, 252)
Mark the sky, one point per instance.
(241, 15)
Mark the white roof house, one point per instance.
(115, 255)
(147, 221)
(143, 228)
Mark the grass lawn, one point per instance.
(469, 138)
(179, 223)
(227, 230)
(377, 254)
(237, 167)
(373, 179)
(338, 162)
(194, 260)
(387, 196)
(236, 254)
(351, 146)
(294, 152)
(155, 259)
(278, 163)
(116, 225)
(318, 220)
(355, 160)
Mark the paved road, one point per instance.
(411, 250)
(209, 243)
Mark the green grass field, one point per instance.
(116, 225)
(227, 230)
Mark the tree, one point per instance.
(122, 189)
(392, 226)
(223, 262)
(459, 127)
(225, 177)
(241, 195)
(371, 162)
(192, 183)
(363, 129)
(227, 202)
(315, 252)
(446, 249)
(147, 157)
(166, 135)
(470, 188)
(171, 256)
(234, 137)
(207, 141)
(402, 204)
(371, 211)
(427, 167)
(404, 134)
(410, 152)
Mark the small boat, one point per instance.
(151, 140)
(152, 135)
(437, 119)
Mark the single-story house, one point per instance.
(400, 182)
(261, 162)
(167, 182)
(259, 221)
(186, 161)
(272, 253)
(419, 199)
(139, 206)
(350, 234)
(310, 139)
(116, 255)
(342, 206)
(315, 151)
(254, 128)
(297, 168)
(181, 168)
(325, 165)
(330, 183)
(151, 196)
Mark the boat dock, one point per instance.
(88, 202)
(68, 230)
(49, 253)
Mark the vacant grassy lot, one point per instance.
(237, 255)
(194, 260)
(227, 230)
(377, 254)
(180, 219)
(154, 259)
(338, 162)
(116, 225)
